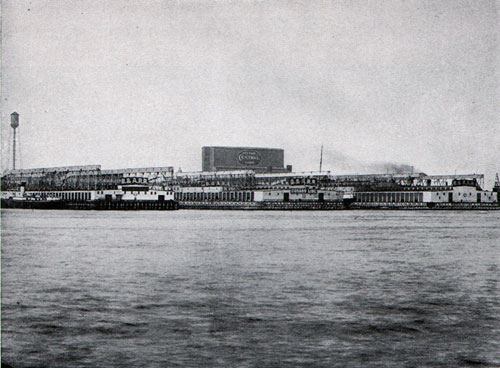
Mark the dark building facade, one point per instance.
(243, 158)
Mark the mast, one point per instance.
(321, 159)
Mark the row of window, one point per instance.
(140, 192)
(72, 196)
(389, 197)
(219, 196)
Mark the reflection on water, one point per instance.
(256, 289)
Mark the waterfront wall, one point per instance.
(282, 206)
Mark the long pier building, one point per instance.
(254, 178)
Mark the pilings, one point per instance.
(123, 205)
(91, 205)
(279, 206)
(330, 206)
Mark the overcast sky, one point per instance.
(148, 83)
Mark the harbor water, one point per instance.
(250, 288)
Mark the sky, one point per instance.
(135, 83)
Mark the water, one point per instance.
(250, 289)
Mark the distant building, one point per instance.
(244, 158)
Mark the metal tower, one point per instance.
(14, 123)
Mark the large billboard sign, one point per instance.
(242, 158)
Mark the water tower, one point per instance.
(14, 123)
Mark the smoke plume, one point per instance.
(343, 164)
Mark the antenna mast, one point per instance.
(321, 159)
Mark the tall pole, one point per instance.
(321, 159)
(14, 151)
